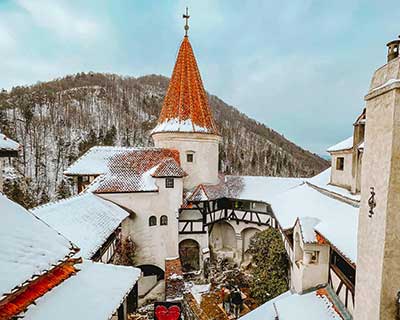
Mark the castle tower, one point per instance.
(186, 122)
(378, 257)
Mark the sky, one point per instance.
(300, 67)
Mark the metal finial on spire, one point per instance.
(186, 16)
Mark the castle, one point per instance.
(339, 227)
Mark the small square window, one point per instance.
(312, 256)
(169, 182)
(189, 157)
(340, 163)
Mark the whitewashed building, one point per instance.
(44, 277)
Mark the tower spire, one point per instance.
(186, 17)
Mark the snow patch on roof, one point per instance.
(94, 161)
(290, 306)
(197, 290)
(338, 220)
(307, 225)
(263, 188)
(86, 220)
(94, 293)
(176, 125)
(27, 246)
(322, 181)
(343, 145)
(8, 144)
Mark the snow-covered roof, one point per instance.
(7, 144)
(343, 145)
(127, 169)
(86, 220)
(322, 181)
(293, 198)
(28, 247)
(176, 125)
(255, 188)
(315, 305)
(338, 221)
(168, 168)
(307, 225)
(94, 293)
(259, 188)
(95, 161)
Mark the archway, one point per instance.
(151, 270)
(189, 252)
(151, 275)
(247, 234)
(223, 237)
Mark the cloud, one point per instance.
(7, 41)
(301, 67)
(58, 17)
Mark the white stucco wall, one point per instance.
(204, 168)
(154, 243)
(305, 275)
(378, 254)
(342, 178)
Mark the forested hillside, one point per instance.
(57, 121)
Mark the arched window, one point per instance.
(163, 220)
(152, 221)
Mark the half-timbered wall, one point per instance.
(108, 249)
(342, 279)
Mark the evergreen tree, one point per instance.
(270, 274)
(109, 138)
(63, 190)
(18, 190)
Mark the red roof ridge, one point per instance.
(20, 300)
(186, 107)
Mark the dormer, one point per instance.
(342, 160)
(310, 259)
(346, 158)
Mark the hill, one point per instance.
(57, 121)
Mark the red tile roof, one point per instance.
(134, 170)
(169, 168)
(20, 300)
(185, 106)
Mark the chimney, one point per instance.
(393, 49)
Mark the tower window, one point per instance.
(152, 221)
(169, 182)
(189, 157)
(164, 220)
(340, 163)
